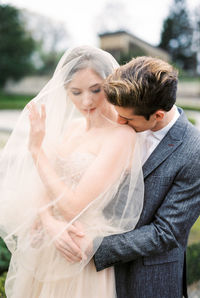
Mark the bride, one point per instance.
(72, 176)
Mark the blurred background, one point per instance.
(34, 35)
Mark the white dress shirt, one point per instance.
(150, 139)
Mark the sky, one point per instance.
(83, 18)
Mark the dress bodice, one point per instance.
(72, 168)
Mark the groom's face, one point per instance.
(138, 123)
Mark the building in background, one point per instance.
(123, 46)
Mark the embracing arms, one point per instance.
(169, 228)
(103, 172)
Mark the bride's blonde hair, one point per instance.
(89, 57)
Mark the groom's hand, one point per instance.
(84, 243)
(69, 246)
(77, 235)
(64, 239)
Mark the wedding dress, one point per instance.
(88, 283)
(37, 269)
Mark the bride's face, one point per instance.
(85, 91)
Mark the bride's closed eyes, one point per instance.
(75, 92)
(78, 92)
(96, 90)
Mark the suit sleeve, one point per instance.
(175, 217)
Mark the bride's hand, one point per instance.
(64, 242)
(37, 127)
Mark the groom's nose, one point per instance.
(121, 120)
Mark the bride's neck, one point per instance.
(101, 119)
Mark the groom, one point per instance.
(150, 261)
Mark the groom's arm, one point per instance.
(177, 214)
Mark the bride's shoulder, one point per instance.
(123, 131)
(121, 135)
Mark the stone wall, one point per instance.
(28, 85)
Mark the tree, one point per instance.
(196, 39)
(51, 38)
(177, 36)
(16, 45)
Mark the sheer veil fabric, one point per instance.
(115, 207)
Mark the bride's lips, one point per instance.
(89, 110)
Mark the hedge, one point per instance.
(2, 282)
(193, 263)
(4, 257)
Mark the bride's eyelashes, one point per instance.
(76, 92)
(93, 91)
(96, 90)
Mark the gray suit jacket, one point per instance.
(149, 261)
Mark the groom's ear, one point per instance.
(159, 115)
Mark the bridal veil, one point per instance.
(116, 210)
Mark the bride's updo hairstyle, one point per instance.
(83, 57)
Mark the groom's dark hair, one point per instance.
(145, 84)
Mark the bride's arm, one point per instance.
(103, 172)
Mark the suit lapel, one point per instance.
(167, 146)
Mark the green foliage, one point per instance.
(186, 78)
(14, 101)
(194, 236)
(193, 263)
(4, 257)
(4, 264)
(134, 52)
(16, 45)
(190, 108)
(196, 226)
(49, 61)
(177, 37)
(2, 282)
(192, 120)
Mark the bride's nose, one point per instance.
(87, 100)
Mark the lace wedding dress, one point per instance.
(88, 283)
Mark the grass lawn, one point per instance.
(12, 101)
(188, 79)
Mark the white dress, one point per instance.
(88, 283)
